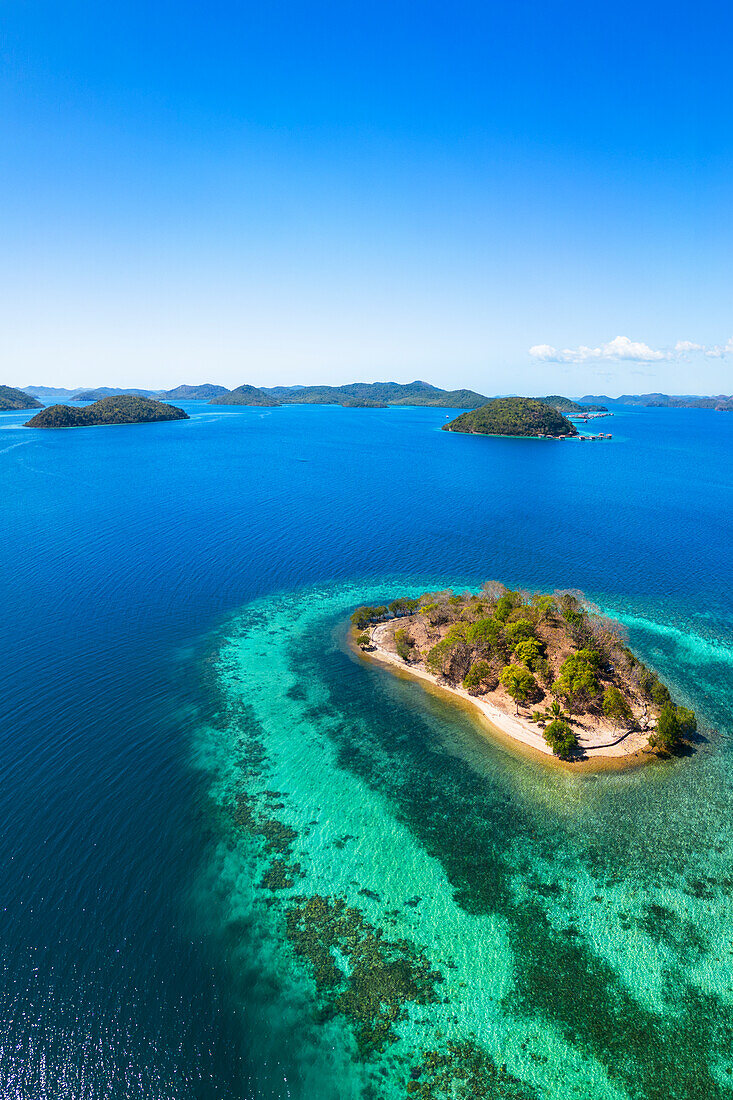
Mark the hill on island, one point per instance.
(567, 405)
(106, 391)
(204, 392)
(383, 393)
(121, 409)
(246, 395)
(11, 400)
(518, 416)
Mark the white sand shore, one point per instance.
(596, 745)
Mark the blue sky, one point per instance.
(518, 198)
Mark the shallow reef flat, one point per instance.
(407, 912)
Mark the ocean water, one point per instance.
(239, 862)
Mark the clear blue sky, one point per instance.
(327, 192)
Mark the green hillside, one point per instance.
(245, 395)
(383, 393)
(521, 416)
(12, 400)
(122, 409)
(204, 392)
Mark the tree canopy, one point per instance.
(520, 416)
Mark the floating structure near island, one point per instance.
(580, 438)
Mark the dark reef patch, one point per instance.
(383, 976)
(463, 1071)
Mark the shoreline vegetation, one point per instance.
(546, 670)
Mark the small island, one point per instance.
(12, 400)
(246, 395)
(546, 670)
(362, 403)
(125, 409)
(514, 416)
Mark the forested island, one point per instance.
(245, 395)
(546, 669)
(361, 395)
(204, 392)
(12, 400)
(516, 416)
(123, 409)
(380, 394)
(106, 391)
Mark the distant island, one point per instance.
(12, 400)
(567, 406)
(544, 669)
(381, 393)
(362, 403)
(515, 416)
(722, 402)
(122, 409)
(49, 391)
(106, 391)
(204, 392)
(245, 395)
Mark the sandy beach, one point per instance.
(603, 747)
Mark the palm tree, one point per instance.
(555, 713)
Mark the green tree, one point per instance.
(363, 640)
(477, 675)
(687, 720)
(485, 634)
(448, 658)
(576, 682)
(615, 706)
(518, 631)
(527, 651)
(668, 733)
(560, 738)
(544, 605)
(673, 726)
(519, 683)
(542, 670)
(506, 604)
(404, 644)
(653, 687)
(362, 617)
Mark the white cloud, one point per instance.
(688, 345)
(545, 352)
(620, 348)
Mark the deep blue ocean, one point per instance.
(172, 664)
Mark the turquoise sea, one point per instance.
(238, 862)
